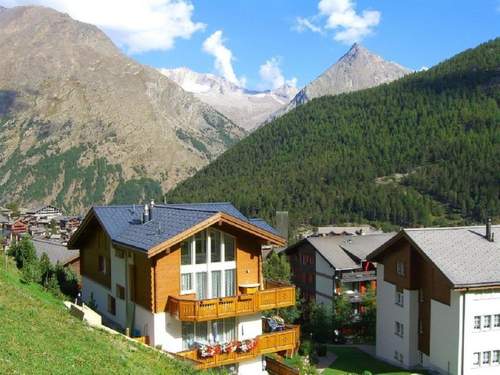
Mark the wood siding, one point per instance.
(141, 281)
(167, 271)
(96, 244)
(301, 271)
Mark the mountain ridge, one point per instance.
(80, 121)
(247, 108)
(357, 69)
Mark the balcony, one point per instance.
(273, 296)
(286, 340)
(352, 277)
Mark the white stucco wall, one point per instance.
(387, 314)
(100, 294)
(480, 303)
(249, 326)
(251, 367)
(118, 277)
(324, 280)
(444, 335)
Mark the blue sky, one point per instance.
(172, 33)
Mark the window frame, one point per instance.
(400, 268)
(111, 305)
(477, 319)
(496, 321)
(476, 359)
(120, 291)
(495, 357)
(486, 354)
(486, 318)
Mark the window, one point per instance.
(399, 298)
(187, 335)
(496, 321)
(477, 322)
(216, 284)
(476, 358)
(399, 329)
(486, 358)
(186, 282)
(101, 264)
(495, 359)
(186, 251)
(201, 285)
(487, 322)
(120, 291)
(111, 305)
(420, 327)
(200, 247)
(400, 268)
(201, 332)
(228, 248)
(421, 295)
(215, 246)
(230, 276)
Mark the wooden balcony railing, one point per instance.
(273, 296)
(287, 340)
(277, 367)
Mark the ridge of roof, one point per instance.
(449, 228)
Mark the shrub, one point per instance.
(30, 273)
(306, 348)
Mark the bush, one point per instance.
(306, 348)
(30, 273)
(23, 252)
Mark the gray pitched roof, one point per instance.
(55, 251)
(123, 223)
(463, 254)
(361, 246)
(346, 251)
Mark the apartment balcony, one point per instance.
(282, 341)
(273, 296)
(351, 277)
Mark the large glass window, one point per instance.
(201, 285)
(201, 334)
(217, 328)
(496, 321)
(186, 251)
(215, 246)
(230, 286)
(216, 284)
(186, 282)
(230, 329)
(228, 248)
(187, 335)
(200, 247)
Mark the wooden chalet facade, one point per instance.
(189, 277)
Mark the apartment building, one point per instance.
(326, 266)
(438, 299)
(188, 278)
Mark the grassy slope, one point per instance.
(38, 335)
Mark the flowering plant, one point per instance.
(247, 345)
(229, 347)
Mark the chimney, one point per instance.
(145, 215)
(489, 233)
(282, 223)
(151, 205)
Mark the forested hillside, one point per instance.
(423, 150)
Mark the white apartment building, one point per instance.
(438, 300)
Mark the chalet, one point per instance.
(44, 214)
(188, 277)
(438, 299)
(323, 267)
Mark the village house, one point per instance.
(188, 277)
(438, 299)
(327, 266)
(58, 253)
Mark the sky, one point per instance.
(263, 44)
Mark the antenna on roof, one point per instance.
(490, 236)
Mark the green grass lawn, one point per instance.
(354, 361)
(39, 336)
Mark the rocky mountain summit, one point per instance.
(358, 69)
(82, 123)
(246, 108)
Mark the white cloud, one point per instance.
(138, 25)
(423, 68)
(303, 24)
(223, 63)
(347, 25)
(271, 75)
